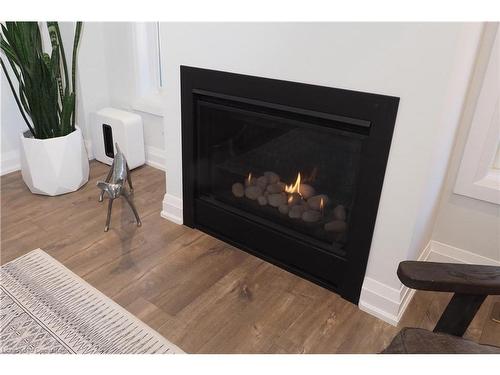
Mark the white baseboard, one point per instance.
(380, 300)
(155, 157)
(10, 162)
(442, 252)
(172, 209)
(386, 302)
(389, 304)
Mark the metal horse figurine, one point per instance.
(114, 185)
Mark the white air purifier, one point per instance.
(110, 126)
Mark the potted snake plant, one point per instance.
(54, 160)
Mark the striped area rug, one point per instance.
(46, 308)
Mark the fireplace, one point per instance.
(289, 172)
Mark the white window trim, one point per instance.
(479, 176)
(150, 97)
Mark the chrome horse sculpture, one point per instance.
(114, 185)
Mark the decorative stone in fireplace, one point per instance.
(289, 172)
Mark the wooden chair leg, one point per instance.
(459, 313)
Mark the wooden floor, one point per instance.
(200, 293)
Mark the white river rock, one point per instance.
(296, 211)
(307, 191)
(336, 226)
(284, 208)
(238, 190)
(272, 177)
(262, 200)
(276, 200)
(253, 192)
(339, 212)
(311, 216)
(315, 202)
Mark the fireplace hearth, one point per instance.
(287, 171)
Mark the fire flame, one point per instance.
(294, 188)
(249, 178)
(321, 204)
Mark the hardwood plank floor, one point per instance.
(201, 293)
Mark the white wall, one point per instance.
(11, 124)
(426, 65)
(466, 223)
(92, 73)
(122, 81)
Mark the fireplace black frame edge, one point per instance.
(380, 110)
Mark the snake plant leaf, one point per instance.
(56, 72)
(55, 39)
(7, 49)
(22, 96)
(78, 31)
(68, 105)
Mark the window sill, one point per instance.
(485, 189)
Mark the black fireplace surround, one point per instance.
(289, 172)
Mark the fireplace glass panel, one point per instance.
(292, 172)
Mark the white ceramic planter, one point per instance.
(54, 166)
